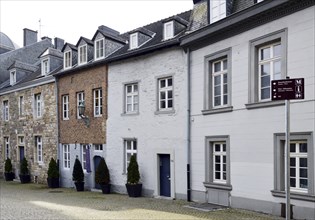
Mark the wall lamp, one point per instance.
(81, 109)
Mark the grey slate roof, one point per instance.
(24, 66)
(88, 41)
(28, 54)
(73, 47)
(53, 52)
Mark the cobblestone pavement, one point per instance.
(37, 202)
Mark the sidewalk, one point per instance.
(35, 201)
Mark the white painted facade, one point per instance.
(155, 132)
(251, 131)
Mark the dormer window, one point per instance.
(67, 60)
(99, 49)
(217, 10)
(12, 77)
(45, 67)
(82, 54)
(168, 30)
(133, 40)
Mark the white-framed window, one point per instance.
(38, 105)
(45, 67)
(98, 147)
(133, 40)
(168, 30)
(99, 49)
(66, 156)
(131, 98)
(165, 96)
(21, 106)
(219, 162)
(65, 107)
(84, 149)
(217, 10)
(269, 68)
(219, 83)
(12, 77)
(67, 57)
(298, 166)
(80, 99)
(98, 102)
(82, 54)
(130, 149)
(6, 147)
(39, 149)
(5, 110)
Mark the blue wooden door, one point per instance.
(97, 161)
(165, 175)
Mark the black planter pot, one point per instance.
(134, 190)
(105, 188)
(79, 186)
(9, 176)
(25, 178)
(53, 182)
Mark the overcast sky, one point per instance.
(70, 20)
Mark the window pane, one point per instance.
(129, 107)
(135, 99)
(217, 67)
(162, 82)
(217, 159)
(134, 145)
(217, 80)
(163, 104)
(277, 67)
(170, 82)
(128, 145)
(135, 88)
(265, 69)
(303, 173)
(225, 78)
(170, 103)
(292, 162)
(303, 147)
(303, 183)
(277, 50)
(135, 107)
(303, 162)
(292, 172)
(217, 175)
(292, 182)
(265, 53)
(217, 90)
(217, 167)
(224, 175)
(265, 81)
(277, 76)
(217, 148)
(217, 101)
(225, 89)
(128, 99)
(225, 98)
(162, 95)
(224, 167)
(265, 93)
(170, 94)
(224, 64)
(129, 89)
(224, 159)
(292, 148)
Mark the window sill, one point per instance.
(217, 110)
(130, 114)
(263, 104)
(218, 186)
(294, 195)
(160, 112)
(98, 116)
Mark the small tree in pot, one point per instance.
(102, 176)
(53, 174)
(24, 172)
(78, 175)
(133, 186)
(9, 175)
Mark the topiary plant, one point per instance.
(133, 175)
(24, 167)
(8, 166)
(53, 171)
(102, 173)
(77, 173)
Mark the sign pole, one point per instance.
(287, 158)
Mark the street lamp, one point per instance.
(81, 109)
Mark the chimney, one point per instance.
(45, 37)
(58, 42)
(108, 30)
(30, 37)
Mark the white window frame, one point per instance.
(168, 30)
(66, 156)
(21, 106)
(166, 89)
(80, 98)
(217, 10)
(82, 58)
(67, 57)
(133, 97)
(39, 149)
(133, 39)
(65, 107)
(6, 109)
(221, 73)
(38, 105)
(98, 102)
(98, 147)
(83, 154)
(6, 147)
(12, 77)
(221, 154)
(132, 151)
(45, 66)
(271, 62)
(99, 49)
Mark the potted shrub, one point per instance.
(133, 186)
(53, 174)
(102, 176)
(24, 172)
(9, 175)
(78, 175)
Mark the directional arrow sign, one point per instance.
(286, 89)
